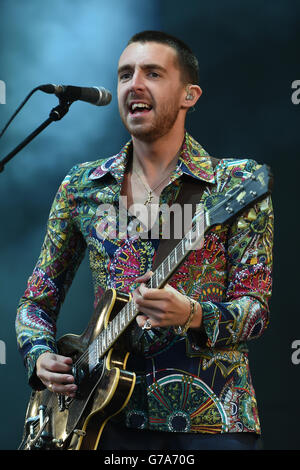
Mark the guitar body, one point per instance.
(57, 422)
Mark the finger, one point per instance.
(51, 379)
(145, 277)
(135, 294)
(157, 319)
(57, 363)
(60, 378)
(153, 306)
(141, 320)
(155, 294)
(47, 357)
(61, 383)
(69, 390)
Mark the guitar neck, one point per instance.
(168, 267)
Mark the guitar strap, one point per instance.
(190, 193)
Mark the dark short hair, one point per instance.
(187, 61)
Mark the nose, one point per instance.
(137, 81)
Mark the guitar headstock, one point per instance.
(241, 196)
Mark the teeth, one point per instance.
(140, 106)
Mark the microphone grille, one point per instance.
(104, 96)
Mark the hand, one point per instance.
(163, 307)
(54, 371)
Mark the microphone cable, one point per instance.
(18, 110)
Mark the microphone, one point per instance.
(94, 95)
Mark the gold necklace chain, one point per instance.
(150, 197)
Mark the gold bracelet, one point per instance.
(181, 330)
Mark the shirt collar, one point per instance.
(193, 161)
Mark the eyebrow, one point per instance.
(143, 67)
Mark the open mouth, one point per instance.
(139, 108)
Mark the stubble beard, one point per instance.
(162, 123)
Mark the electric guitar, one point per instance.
(54, 421)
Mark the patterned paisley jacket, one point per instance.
(200, 382)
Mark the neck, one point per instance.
(158, 156)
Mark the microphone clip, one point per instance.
(60, 110)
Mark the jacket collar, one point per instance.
(193, 161)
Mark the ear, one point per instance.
(191, 96)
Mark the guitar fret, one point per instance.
(155, 279)
(173, 258)
(103, 339)
(102, 344)
(166, 269)
(182, 247)
(108, 333)
(177, 254)
(92, 359)
(132, 310)
(187, 242)
(97, 350)
(118, 320)
(115, 325)
(128, 313)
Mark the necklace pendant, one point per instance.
(148, 201)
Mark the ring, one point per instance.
(147, 325)
(50, 387)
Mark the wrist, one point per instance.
(41, 356)
(197, 319)
(194, 319)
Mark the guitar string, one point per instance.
(84, 356)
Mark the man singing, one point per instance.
(188, 344)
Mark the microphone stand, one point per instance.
(56, 114)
